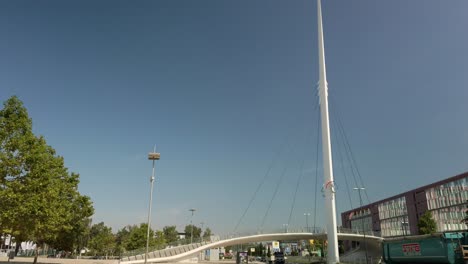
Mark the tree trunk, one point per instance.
(18, 244)
(36, 254)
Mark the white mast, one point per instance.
(329, 188)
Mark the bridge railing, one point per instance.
(314, 230)
(317, 230)
(177, 243)
(359, 232)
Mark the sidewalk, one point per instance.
(44, 260)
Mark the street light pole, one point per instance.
(359, 189)
(201, 236)
(191, 218)
(151, 156)
(307, 221)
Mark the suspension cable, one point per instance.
(275, 157)
(278, 183)
(347, 153)
(348, 158)
(340, 155)
(273, 197)
(301, 173)
(351, 155)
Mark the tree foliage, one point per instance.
(122, 237)
(170, 234)
(259, 249)
(159, 238)
(137, 237)
(39, 197)
(207, 233)
(102, 241)
(427, 224)
(196, 232)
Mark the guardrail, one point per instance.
(316, 230)
(177, 243)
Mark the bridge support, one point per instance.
(328, 188)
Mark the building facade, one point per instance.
(398, 215)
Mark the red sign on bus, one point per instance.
(412, 249)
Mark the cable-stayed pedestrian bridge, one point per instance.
(181, 252)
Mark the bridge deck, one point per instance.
(188, 251)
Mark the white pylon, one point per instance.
(329, 188)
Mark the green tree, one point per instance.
(427, 224)
(259, 249)
(137, 238)
(15, 139)
(170, 234)
(39, 195)
(102, 241)
(75, 238)
(207, 233)
(196, 232)
(121, 238)
(159, 238)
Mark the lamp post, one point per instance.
(307, 221)
(201, 236)
(191, 218)
(151, 156)
(359, 189)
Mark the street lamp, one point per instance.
(359, 189)
(151, 156)
(191, 218)
(201, 236)
(307, 221)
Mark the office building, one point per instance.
(398, 215)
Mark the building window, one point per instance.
(393, 216)
(447, 204)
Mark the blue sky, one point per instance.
(224, 87)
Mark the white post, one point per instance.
(191, 224)
(329, 189)
(151, 156)
(149, 216)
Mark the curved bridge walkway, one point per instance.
(179, 253)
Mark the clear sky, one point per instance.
(224, 87)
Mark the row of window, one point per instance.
(450, 218)
(449, 194)
(444, 202)
(392, 208)
(362, 224)
(360, 213)
(398, 226)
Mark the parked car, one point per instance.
(279, 258)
